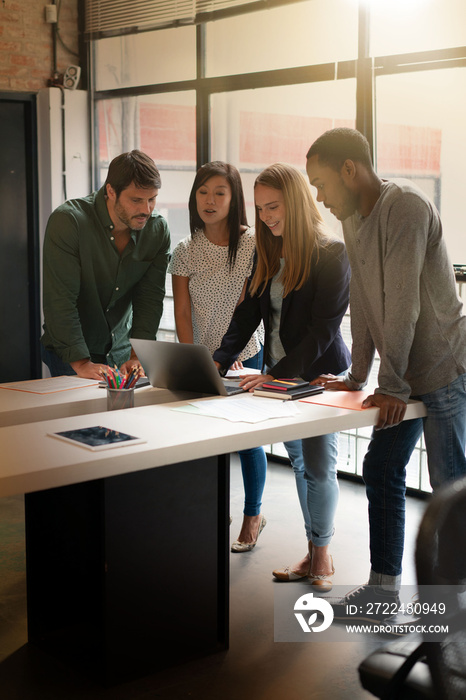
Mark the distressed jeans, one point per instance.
(314, 462)
(384, 472)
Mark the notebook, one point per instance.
(182, 367)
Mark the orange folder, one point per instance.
(340, 399)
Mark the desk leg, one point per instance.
(130, 574)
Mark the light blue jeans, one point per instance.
(384, 472)
(314, 462)
(253, 462)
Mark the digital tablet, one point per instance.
(97, 438)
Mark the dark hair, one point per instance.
(337, 145)
(133, 167)
(237, 212)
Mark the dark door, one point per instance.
(19, 258)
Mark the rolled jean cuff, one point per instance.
(384, 581)
(322, 541)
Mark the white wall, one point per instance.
(57, 112)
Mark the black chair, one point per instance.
(417, 668)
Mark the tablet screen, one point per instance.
(97, 437)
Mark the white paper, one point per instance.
(238, 373)
(249, 410)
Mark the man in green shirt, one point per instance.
(105, 260)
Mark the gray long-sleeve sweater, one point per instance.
(403, 297)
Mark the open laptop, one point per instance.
(182, 367)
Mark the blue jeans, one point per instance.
(384, 471)
(314, 462)
(56, 366)
(253, 462)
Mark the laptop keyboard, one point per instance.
(233, 389)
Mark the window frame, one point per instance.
(365, 69)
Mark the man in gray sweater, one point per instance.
(404, 304)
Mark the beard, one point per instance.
(134, 222)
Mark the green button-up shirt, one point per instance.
(95, 299)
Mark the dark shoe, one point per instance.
(368, 603)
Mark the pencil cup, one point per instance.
(119, 398)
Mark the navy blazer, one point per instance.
(309, 323)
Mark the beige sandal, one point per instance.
(287, 574)
(238, 546)
(322, 582)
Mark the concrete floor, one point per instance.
(255, 667)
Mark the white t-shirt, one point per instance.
(214, 288)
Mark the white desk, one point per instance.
(32, 461)
(18, 407)
(128, 548)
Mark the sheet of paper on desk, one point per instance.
(238, 373)
(241, 410)
(51, 385)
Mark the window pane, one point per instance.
(164, 127)
(306, 33)
(424, 141)
(404, 26)
(144, 59)
(346, 453)
(254, 128)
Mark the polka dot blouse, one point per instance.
(214, 288)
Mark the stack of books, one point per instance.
(288, 389)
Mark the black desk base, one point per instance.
(130, 574)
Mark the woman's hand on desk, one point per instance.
(253, 381)
(331, 382)
(237, 364)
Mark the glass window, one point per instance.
(404, 26)
(304, 33)
(164, 127)
(148, 58)
(420, 135)
(346, 453)
(254, 128)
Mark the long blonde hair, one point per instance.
(303, 231)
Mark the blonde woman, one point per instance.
(300, 289)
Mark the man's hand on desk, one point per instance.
(133, 362)
(88, 370)
(392, 410)
(331, 382)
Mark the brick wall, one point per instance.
(26, 47)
